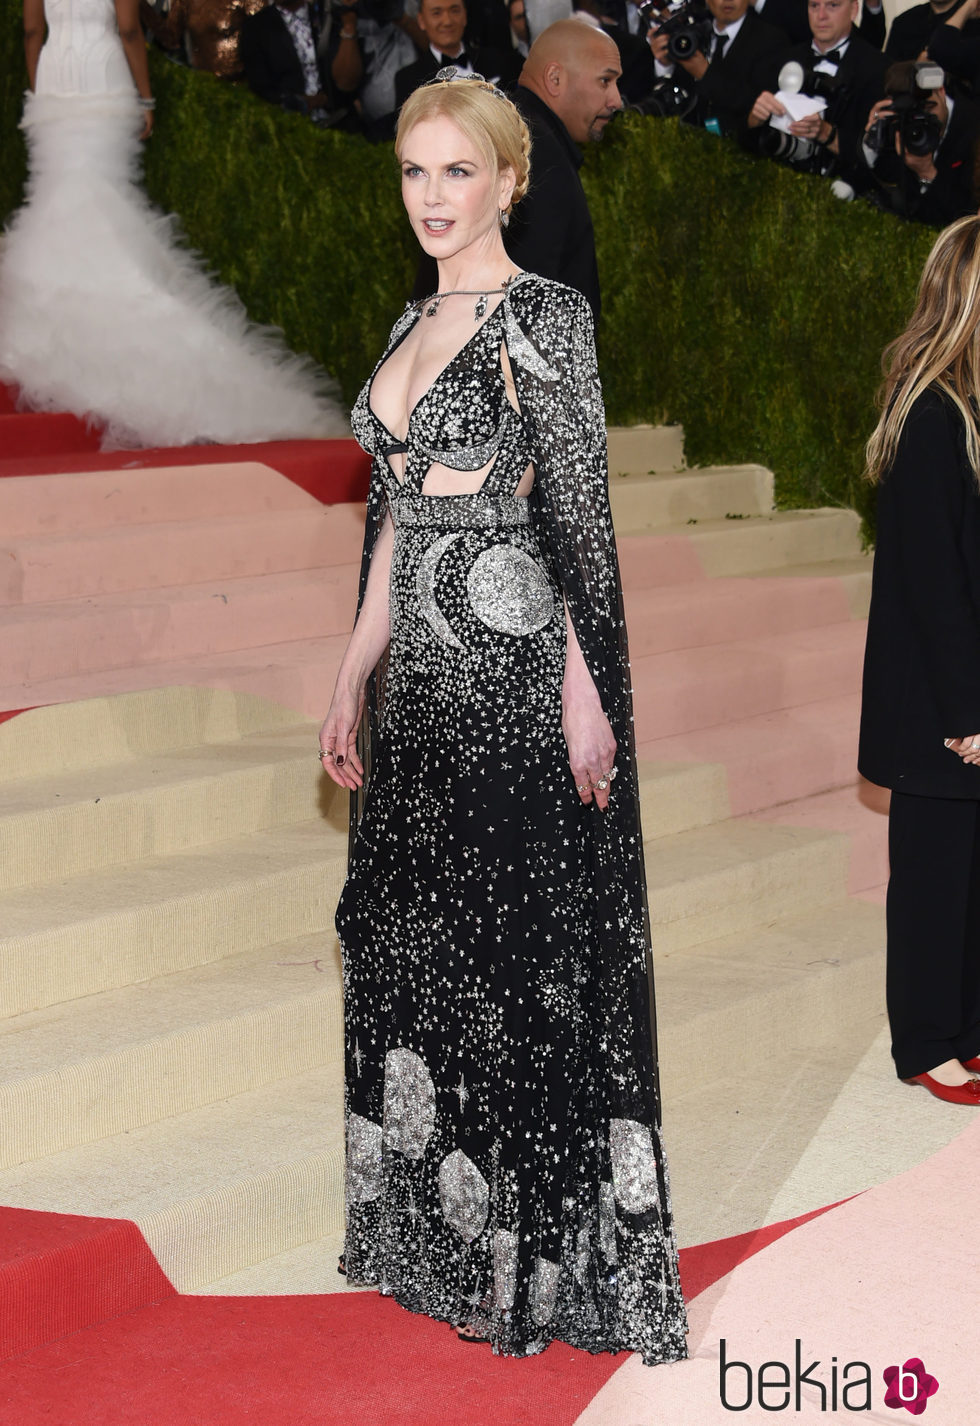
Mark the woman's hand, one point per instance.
(591, 746)
(338, 738)
(147, 129)
(967, 748)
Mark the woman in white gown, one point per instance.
(103, 311)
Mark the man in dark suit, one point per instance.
(856, 71)
(792, 17)
(567, 94)
(724, 83)
(936, 187)
(279, 49)
(443, 22)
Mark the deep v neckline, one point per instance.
(401, 443)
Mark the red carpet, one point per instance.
(281, 1361)
(333, 471)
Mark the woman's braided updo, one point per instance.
(484, 114)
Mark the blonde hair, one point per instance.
(939, 348)
(487, 118)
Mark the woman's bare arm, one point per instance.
(134, 47)
(367, 643)
(33, 36)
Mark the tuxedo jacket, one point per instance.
(503, 66)
(732, 83)
(271, 64)
(958, 51)
(913, 29)
(922, 658)
(860, 83)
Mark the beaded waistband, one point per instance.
(456, 512)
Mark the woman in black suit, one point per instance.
(922, 671)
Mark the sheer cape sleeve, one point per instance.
(552, 350)
(550, 342)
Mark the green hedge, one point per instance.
(740, 299)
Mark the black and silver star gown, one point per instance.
(504, 1157)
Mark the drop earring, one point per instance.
(504, 217)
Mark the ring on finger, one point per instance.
(325, 753)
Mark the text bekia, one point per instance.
(777, 1386)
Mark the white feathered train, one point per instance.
(103, 311)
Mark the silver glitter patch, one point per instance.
(410, 1103)
(504, 1269)
(464, 1195)
(472, 457)
(425, 579)
(509, 591)
(583, 1251)
(476, 511)
(634, 1165)
(363, 1159)
(521, 350)
(607, 1223)
(544, 1290)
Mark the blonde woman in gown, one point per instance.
(103, 311)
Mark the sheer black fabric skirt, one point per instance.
(479, 1179)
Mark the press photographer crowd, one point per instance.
(890, 114)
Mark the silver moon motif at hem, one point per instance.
(509, 591)
(464, 1195)
(544, 1290)
(634, 1165)
(363, 1159)
(410, 1103)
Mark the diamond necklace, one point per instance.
(481, 294)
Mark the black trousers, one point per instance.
(933, 917)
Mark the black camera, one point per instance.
(774, 141)
(792, 148)
(910, 86)
(686, 23)
(667, 100)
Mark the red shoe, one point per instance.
(973, 1064)
(968, 1093)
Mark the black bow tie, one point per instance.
(459, 60)
(831, 57)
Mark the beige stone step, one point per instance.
(734, 876)
(78, 1072)
(656, 499)
(125, 727)
(729, 1004)
(854, 573)
(633, 450)
(763, 543)
(71, 823)
(166, 914)
(212, 1190)
(678, 796)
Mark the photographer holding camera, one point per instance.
(841, 67)
(709, 59)
(921, 145)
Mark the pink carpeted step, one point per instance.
(651, 561)
(180, 553)
(44, 642)
(717, 611)
(683, 689)
(102, 499)
(845, 809)
(299, 674)
(776, 756)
